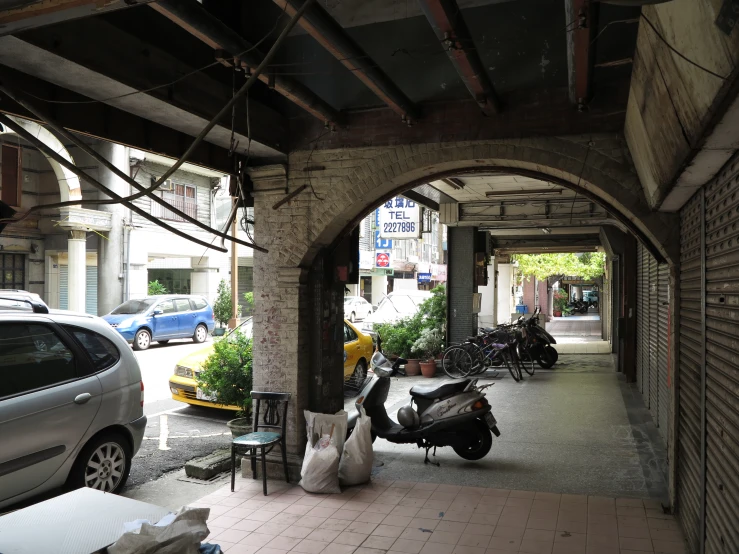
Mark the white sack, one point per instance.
(356, 461)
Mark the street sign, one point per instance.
(382, 244)
(400, 218)
(382, 260)
(424, 277)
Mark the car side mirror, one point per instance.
(157, 312)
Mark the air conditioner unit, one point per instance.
(168, 185)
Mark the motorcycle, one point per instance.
(539, 342)
(578, 306)
(454, 413)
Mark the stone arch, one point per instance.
(69, 183)
(593, 166)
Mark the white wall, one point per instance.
(486, 317)
(405, 284)
(505, 299)
(379, 288)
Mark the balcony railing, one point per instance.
(189, 207)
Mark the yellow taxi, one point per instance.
(358, 350)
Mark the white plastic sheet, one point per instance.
(181, 535)
(355, 467)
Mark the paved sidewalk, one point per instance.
(403, 517)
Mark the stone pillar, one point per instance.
(461, 276)
(111, 248)
(76, 271)
(281, 305)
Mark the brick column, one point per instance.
(461, 283)
(280, 293)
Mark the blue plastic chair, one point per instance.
(274, 419)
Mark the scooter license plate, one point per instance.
(490, 420)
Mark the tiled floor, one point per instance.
(425, 518)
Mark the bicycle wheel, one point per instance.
(510, 364)
(478, 357)
(527, 360)
(456, 362)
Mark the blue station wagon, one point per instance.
(162, 318)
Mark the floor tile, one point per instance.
(628, 543)
(380, 508)
(297, 532)
(539, 535)
(325, 535)
(507, 544)
(560, 548)
(458, 516)
(335, 548)
(513, 521)
(509, 532)
(307, 546)
(634, 532)
(283, 543)
(310, 521)
(416, 534)
(361, 527)
(465, 549)
(239, 548)
(633, 502)
(364, 550)
(351, 539)
(477, 529)
(536, 547)
(381, 543)
(484, 519)
(257, 539)
(669, 547)
(232, 535)
(424, 523)
(474, 540)
(451, 526)
(437, 548)
(224, 521)
(407, 546)
(398, 521)
(388, 531)
(445, 537)
(547, 524)
(522, 494)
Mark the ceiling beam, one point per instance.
(446, 19)
(319, 24)
(582, 19)
(195, 19)
(545, 249)
(523, 192)
(105, 122)
(488, 224)
(146, 64)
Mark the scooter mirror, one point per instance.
(380, 365)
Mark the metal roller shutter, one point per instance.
(639, 316)
(63, 288)
(91, 290)
(654, 340)
(722, 362)
(663, 315)
(689, 371)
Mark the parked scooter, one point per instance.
(539, 342)
(454, 413)
(578, 306)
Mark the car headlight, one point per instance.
(183, 371)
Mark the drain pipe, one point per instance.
(129, 227)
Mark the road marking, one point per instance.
(170, 411)
(189, 436)
(163, 432)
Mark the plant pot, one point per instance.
(219, 331)
(428, 368)
(412, 368)
(239, 426)
(557, 314)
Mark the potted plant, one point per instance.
(155, 288)
(428, 345)
(222, 308)
(397, 341)
(226, 375)
(560, 303)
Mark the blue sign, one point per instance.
(382, 244)
(424, 277)
(377, 218)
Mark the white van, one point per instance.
(395, 306)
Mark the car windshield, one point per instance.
(134, 306)
(399, 304)
(245, 328)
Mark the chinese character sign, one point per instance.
(399, 218)
(382, 244)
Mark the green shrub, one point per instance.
(155, 288)
(222, 308)
(249, 298)
(227, 372)
(429, 344)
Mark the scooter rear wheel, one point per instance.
(481, 441)
(548, 357)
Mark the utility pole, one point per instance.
(235, 311)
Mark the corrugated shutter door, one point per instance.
(63, 288)
(691, 344)
(722, 362)
(639, 315)
(654, 340)
(91, 290)
(664, 312)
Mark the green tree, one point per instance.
(227, 372)
(155, 288)
(588, 265)
(222, 308)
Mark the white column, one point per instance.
(76, 271)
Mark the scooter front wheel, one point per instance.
(479, 444)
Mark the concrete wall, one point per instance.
(505, 297)
(486, 317)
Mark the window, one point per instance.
(32, 357)
(10, 175)
(102, 352)
(134, 307)
(198, 303)
(349, 334)
(12, 271)
(182, 197)
(182, 304)
(167, 307)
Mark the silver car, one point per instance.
(71, 402)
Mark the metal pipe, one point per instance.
(319, 24)
(62, 133)
(703, 422)
(196, 20)
(95, 183)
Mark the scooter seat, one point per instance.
(432, 392)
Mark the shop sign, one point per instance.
(438, 272)
(424, 277)
(366, 259)
(382, 244)
(399, 218)
(382, 259)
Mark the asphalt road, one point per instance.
(176, 432)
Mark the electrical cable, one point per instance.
(680, 54)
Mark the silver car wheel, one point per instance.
(143, 340)
(201, 333)
(104, 469)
